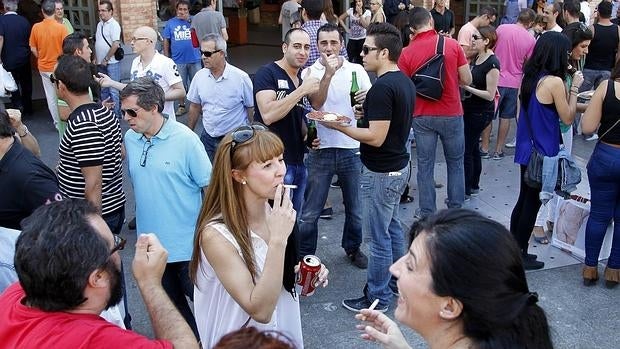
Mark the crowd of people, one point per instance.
(230, 212)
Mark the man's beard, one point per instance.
(116, 289)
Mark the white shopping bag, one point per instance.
(7, 80)
(569, 228)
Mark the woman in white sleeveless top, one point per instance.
(244, 253)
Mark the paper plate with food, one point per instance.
(586, 94)
(328, 117)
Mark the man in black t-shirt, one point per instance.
(443, 18)
(25, 181)
(387, 114)
(278, 90)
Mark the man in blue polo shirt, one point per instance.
(169, 170)
(221, 91)
(178, 46)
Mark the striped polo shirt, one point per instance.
(92, 138)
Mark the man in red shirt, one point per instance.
(68, 264)
(437, 119)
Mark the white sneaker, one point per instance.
(512, 144)
(592, 138)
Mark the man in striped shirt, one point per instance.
(90, 164)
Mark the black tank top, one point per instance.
(610, 115)
(602, 50)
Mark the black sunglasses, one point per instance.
(243, 134)
(367, 49)
(53, 79)
(132, 112)
(208, 54)
(145, 152)
(476, 36)
(119, 244)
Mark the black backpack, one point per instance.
(428, 79)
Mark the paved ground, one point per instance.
(580, 317)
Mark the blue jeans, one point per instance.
(114, 72)
(177, 285)
(210, 143)
(322, 164)
(591, 79)
(450, 130)
(187, 72)
(604, 176)
(380, 197)
(297, 175)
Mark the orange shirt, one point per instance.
(46, 37)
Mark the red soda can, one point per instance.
(308, 274)
(194, 36)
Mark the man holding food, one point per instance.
(334, 152)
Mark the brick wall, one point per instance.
(132, 14)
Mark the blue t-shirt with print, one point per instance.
(181, 49)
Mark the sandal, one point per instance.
(542, 239)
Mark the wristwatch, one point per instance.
(25, 131)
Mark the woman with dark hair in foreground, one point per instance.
(462, 285)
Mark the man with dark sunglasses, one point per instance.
(69, 268)
(383, 138)
(169, 169)
(222, 92)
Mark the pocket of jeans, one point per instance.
(393, 187)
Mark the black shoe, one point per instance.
(326, 213)
(529, 264)
(357, 304)
(359, 259)
(336, 184)
(406, 199)
(132, 224)
(529, 256)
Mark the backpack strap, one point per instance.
(440, 45)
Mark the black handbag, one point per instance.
(119, 54)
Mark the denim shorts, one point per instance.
(507, 107)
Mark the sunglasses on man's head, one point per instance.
(244, 133)
(208, 54)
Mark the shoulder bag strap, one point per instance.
(103, 36)
(440, 45)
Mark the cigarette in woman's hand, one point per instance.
(289, 186)
(374, 304)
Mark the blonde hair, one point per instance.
(224, 201)
(375, 16)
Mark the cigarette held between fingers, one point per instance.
(374, 304)
(289, 186)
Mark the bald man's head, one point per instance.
(146, 32)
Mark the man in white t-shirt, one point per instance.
(550, 16)
(337, 153)
(107, 41)
(151, 63)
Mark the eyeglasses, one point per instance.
(243, 134)
(208, 54)
(477, 37)
(145, 152)
(138, 39)
(119, 244)
(132, 112)
(367, 49)
(374, 3)
(53, 79)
